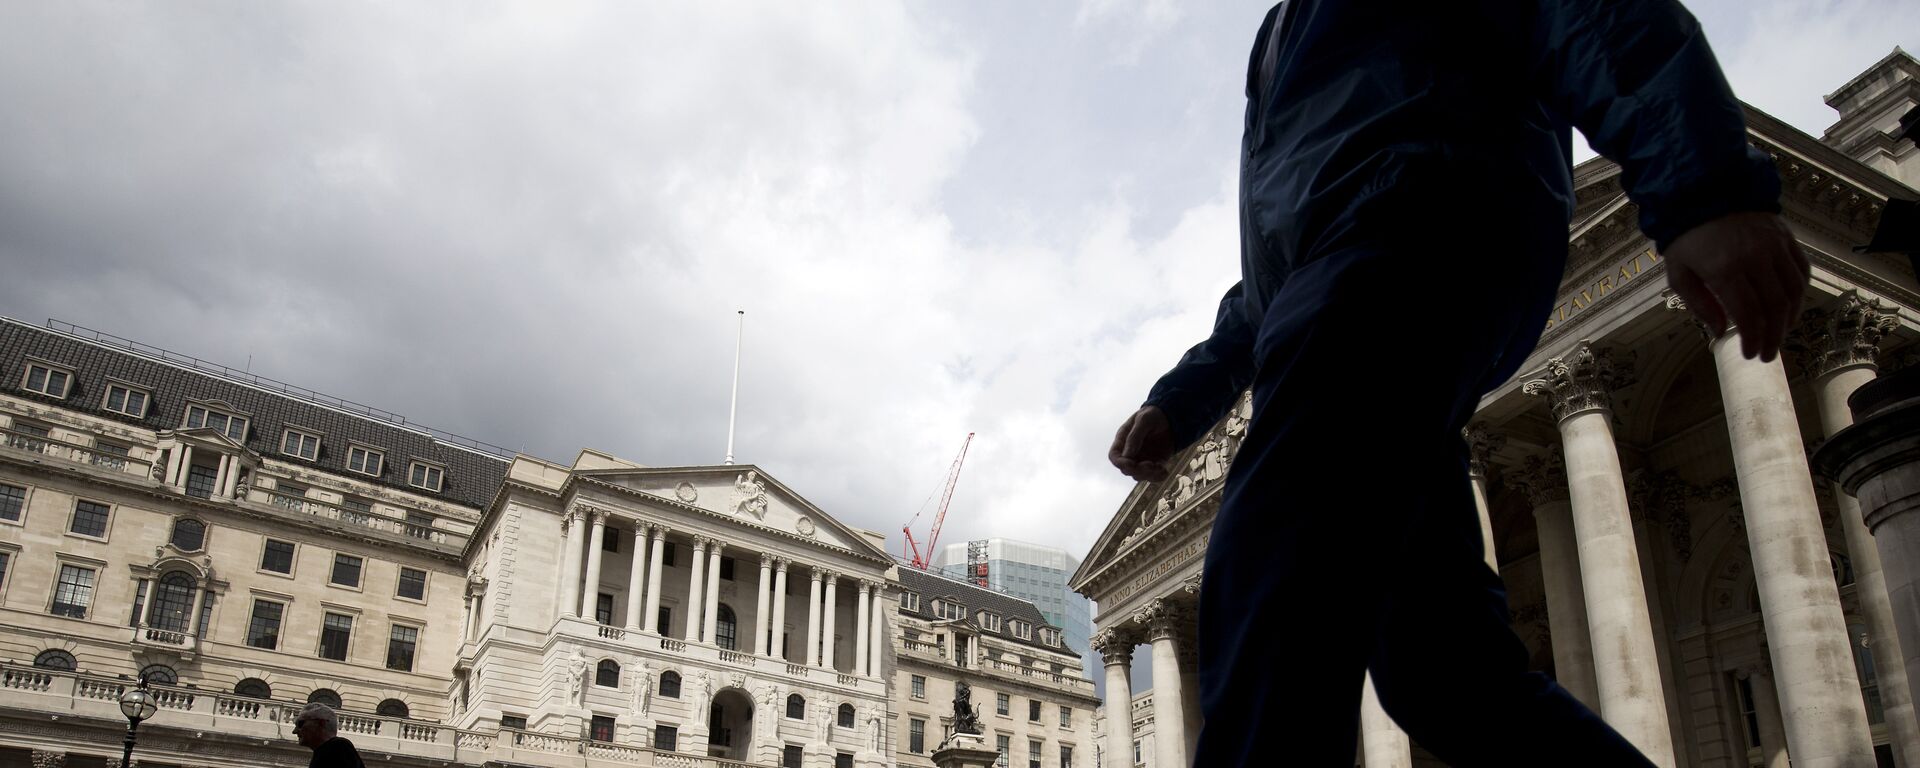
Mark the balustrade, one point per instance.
(75, 452)
(670, 644)
(613, 633)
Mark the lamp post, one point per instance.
(137, 704)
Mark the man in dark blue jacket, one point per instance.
(1404, 200)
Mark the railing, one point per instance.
(75, 452)
(935, 650)
(797, 670)
(736, 657)
(300, 504)
(846, 679)
(164, 637)
(612, 633)
(670, 644)
(25, 680)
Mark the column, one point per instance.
(762, 605)
(1481, 444)
(827, 624)
(696, 593)
(636, 571)
(1543, 480)
(225, 480)
(813, 617)
(590, 599)
(1806, 630)
(778, 636)
(1844, 341)
(1163, 621)
(711, 613)
(1382, 742)
(570, 562)
(199, 607)
(1766, 709)
(864, 608)
(1116, 649)
(186, 462)
(876, 630)
(655, 555)
(1626, 667)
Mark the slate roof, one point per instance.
(930, 585)
(471, 477)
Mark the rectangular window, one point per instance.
(790, 756)
(1033, 710)
(231, 425)
(990, 621)
(666, 554)
(346, 570)
(277, 557)
(13, 503)
(356, 511)
(601, 729)
(6, 558)
(610, 540)
(201, 479)
(400, 645)
(365, 461)
(263, 631)
(1002, 744)
(910, 601)
(516, 722)
(917, 736)
(920, 686)
(1002, 704)
(413, 584)
(1066, 716)
(1033, 753)
(206, 615)
(1066, 756)
(300, 445)
(726, 568)
(25, 440)
(73, 594)
(419, 525)
(139, 603)
(110, 455)
(666, 620)
(126, 401)
(1022, 629)
(843, 760)
(424, 476)
(47, 380)
(335, 634)
(603, 608)
(89, 519)
(666, 738)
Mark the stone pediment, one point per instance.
(211, 435)
(740, 492)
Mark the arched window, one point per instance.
(846, 715)
(391, 708)
(670, 684)
(172, 602)
(253, 688)
(1842, 568)
(725, 629)
(189, 535)
(796, 707)
(608, 674)
(54, 659)
(325, 696)
(160, 674)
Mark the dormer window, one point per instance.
(424, 475)
(301, 445)
(47, 379)
(989, 621)
(364, 460)
(947, 609)
(1050, 636)
(1022, 630)
(910, 601)
(229, 424)
(126, 400)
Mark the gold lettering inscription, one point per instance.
(1586, 295)
(1160, 569)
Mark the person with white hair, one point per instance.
(318, 729)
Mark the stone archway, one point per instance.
(730, 725)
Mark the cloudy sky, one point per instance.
(532, 224)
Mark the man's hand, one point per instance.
(1744, 269)
(1143, 445)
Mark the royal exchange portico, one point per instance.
(1669, 556)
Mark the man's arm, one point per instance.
(1191, 397)
(1638, 79)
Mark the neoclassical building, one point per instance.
(1670, 558)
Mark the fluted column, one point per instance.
(876, 630)
(656, 554)
(1844, 341)
(762, 605)
(1627, 673)
(813, 617)
(1382, 743)
(636, 571)
(696, 583)
(778, 635)
(591, 590)
(711, 614)
(1116, 650)
(1813, 665)
(1163, 622)
(863, 605)
(1543, 479)
(1481, 443)
(827, 623)
(570, 540)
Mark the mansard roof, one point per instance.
(931, 585)
(470, 476)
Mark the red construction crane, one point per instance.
(913, 553)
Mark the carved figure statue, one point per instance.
(576, 677)
(871, 716)
(642, 687)
(702, 690)
(964, 719)
(750, 495)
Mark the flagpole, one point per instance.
(733, 408)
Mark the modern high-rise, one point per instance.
(1032, 572)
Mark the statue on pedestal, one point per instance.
(964, 718)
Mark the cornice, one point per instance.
(676, 504)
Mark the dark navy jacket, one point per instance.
(1349, 102)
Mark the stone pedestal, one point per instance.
(965, 752)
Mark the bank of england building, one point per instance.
(1645, 491)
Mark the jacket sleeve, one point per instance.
(1210, 376)
(1637, 78)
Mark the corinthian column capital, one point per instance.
(1115, 647)
(1846, 333)
(1541, 478)
(1481, 443)
(1582, 380)
(1162, 619)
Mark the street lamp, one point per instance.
(137, 704)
